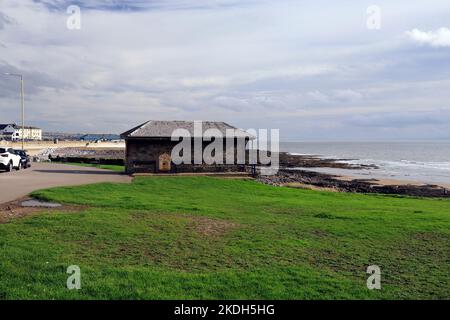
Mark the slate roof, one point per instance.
(15, 126)
(164, 129)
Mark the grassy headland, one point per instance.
(210, 238)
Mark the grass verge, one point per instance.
(211, 238)
(112, 167)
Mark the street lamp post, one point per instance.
(22, 95)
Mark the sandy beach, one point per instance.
(373, 176)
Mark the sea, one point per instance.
(416, 161)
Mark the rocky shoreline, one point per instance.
(288, 160)
(298, 178)
(287, 175)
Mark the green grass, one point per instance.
(112, 167)
(210, 238)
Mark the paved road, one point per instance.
(17, 184)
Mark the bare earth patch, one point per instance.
(14, 210)
(198, 224)
(211, 227)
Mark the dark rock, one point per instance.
(285, 176)
(288, 160)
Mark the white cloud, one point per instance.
(347, 95)
(437, 38)
(252, 63)
(318, 96)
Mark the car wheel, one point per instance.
(19, 166)
(9, 167)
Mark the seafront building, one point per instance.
(13, 132)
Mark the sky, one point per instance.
(315, 70)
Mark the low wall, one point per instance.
(35, 147)
(119, 162)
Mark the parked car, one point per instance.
(25, 158)
(9, 159)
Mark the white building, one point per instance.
(13, 132)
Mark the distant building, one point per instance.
(13, 132)
(7, 131)
(149, 147)
(99, 137)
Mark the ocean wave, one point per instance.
(403, 164)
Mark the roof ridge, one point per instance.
(165, 128)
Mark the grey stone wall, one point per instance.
(142, 155)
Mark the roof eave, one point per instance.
(126, 134)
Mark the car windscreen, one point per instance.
(2, 150)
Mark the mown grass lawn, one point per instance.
(210, 238)
(113, 167)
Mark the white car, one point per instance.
(9, 159)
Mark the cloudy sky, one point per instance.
(313, 69)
